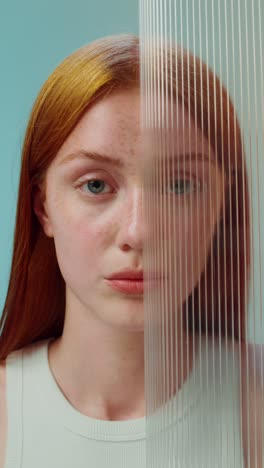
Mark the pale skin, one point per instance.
(98, 362)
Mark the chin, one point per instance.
(127, 321)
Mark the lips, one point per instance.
(127, 286)
(127, 275)
(128, 281)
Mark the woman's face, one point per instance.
(93, 208)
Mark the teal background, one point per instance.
(34, 38)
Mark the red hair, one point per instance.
(223, 287)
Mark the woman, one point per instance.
(72, 325)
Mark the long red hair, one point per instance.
(35, 303)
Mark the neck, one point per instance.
(100, 369)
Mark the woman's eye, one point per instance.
(184, 186)
(97, 186)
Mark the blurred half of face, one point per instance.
(94, 207)
(184, 195)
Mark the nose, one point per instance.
(132, 227)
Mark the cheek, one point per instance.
(183, 248)
(80, 244)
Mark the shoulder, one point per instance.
(13, 361)
(253, 403)
(220, 356)
(3, 413)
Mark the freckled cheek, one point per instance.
(81, 250)
(80, 235)
(76, 235)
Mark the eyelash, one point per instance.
(197, 184)
(94, 179)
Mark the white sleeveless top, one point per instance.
(45, 430)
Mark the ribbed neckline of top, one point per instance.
(133, 429)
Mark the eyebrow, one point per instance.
(95, 156)
(193, 156)
(83, 154)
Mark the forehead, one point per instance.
(113, 126)
(177, 131)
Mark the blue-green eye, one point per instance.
(97, 186)
(184, 186)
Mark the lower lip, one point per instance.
(127, 286)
